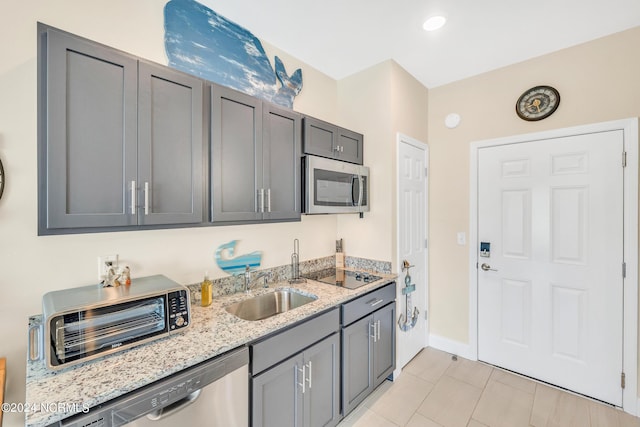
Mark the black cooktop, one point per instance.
(344, 278)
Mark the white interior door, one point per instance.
(413, 159)
(550, 302)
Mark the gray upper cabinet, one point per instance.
(236, 155)
(120, 141)
(327, 140)
(88, 133)
(170, 146)
(255, 159)
(282, 142)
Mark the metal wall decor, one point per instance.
(409, 318)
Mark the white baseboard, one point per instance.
(451, 346)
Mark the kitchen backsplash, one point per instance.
(232, 284)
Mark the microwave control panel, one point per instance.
(178, 310)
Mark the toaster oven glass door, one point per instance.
(85, 333)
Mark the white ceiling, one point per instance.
(342, 37)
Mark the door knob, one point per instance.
(487, 267)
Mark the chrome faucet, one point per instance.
(248, 281)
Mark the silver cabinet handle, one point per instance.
(303, 370)
(268, 200)
(133, 197)
(374, 302)
(337, 149)
(146, 198)
(260, 200)
(487, 267)
(375, 334)
(310, 366)
(342, 148)
(378, 330)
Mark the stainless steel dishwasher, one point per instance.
(214, 393)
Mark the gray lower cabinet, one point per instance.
(368, 349)
(327, 140)
(301, 391)
(296, 375)
(255, 159)
(120, 140)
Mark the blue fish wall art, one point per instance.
(201, 42)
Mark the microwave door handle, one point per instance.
(361, 185)
(354, 178)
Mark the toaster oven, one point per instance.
(81, 324)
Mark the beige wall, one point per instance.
(30, 265)
(597, 81)
(380, 102)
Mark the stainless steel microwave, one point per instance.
(84, 323)
(332, 186)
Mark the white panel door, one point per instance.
(413, 158)
(550, 296)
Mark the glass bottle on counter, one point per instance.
(206, 291)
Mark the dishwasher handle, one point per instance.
(171, 409)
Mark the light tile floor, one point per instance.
(436, 391)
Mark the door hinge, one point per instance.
(426, 172)
(622, 380)
(426, 243)
(624, 159)
(426, 315)
(624, 270)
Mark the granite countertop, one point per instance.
(213, 331)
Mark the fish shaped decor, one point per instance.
(201, 42)
(238, 264)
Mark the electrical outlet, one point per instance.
(104, 263)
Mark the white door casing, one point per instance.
(565, 298)
(412, 220)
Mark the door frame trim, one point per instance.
(630, 209)
(402, 138)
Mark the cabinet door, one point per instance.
(236, 163)
(321, 401)
(350, 146)
(87, 133)
(281, 159)
(357, 360)
(170, 146)
(320, 138)
(384, 353)
(276, 395)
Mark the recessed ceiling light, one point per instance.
(434, 23)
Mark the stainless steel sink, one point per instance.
(267, 305)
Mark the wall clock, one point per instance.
(537, 103)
